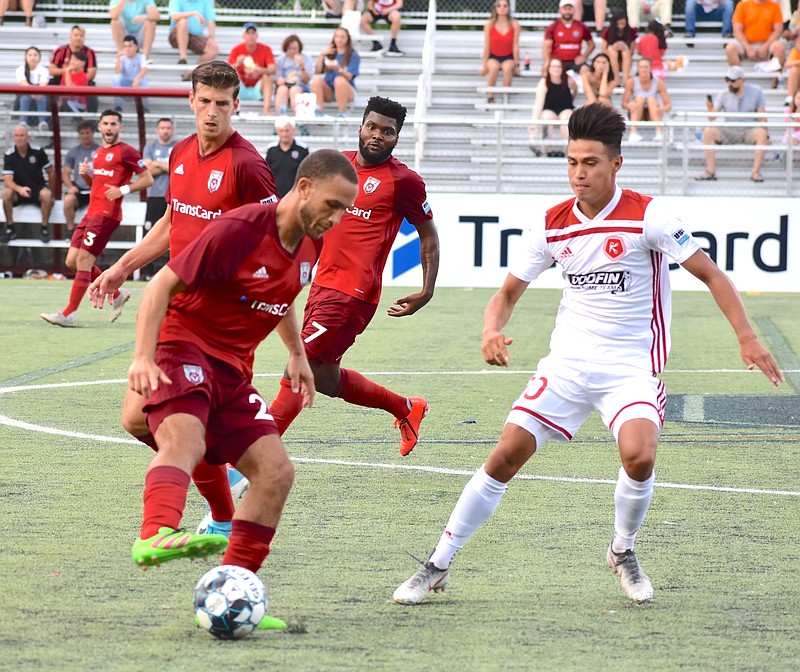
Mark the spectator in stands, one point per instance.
(76, 194)
(646, 99)
(335, 9)
(660, 10)
(555, 96)
(292, 74)
(738, 97)
(568, 40)
(792, 71)
(757, 29)
(156, 158)
(709, 10)
(130, 70)
(24, 166)
(193, 24)
(33, 74)
(653, 45)
(27, 8)
(617, 43)
(335, 71)
(500, 46)
(255, 65)
(592, 10)
(285, 157)
(598, 81)
(383, 10)
(59, 61)
(137, 18)
(74, 75)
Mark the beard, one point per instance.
(372, 157)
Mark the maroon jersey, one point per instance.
(112, 167)
(356, 249)
(567, 39)
(240, 283)
(201, 188)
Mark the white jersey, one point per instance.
(616, 306)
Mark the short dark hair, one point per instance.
(324, 164)
(217, 75)
(388, 108)
(288, 41)
(80, 56)
(131, 38)
(598, 122)
(84, 124)
(165, 119)
(111, 113)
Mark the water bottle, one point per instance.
(298, 8)
(698, 134)
(526, 61)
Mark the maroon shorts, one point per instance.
(223, 399)
(331, 322)
(93, 233)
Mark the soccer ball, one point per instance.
(229, 602)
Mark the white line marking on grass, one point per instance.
(19, 424)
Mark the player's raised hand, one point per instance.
(144, 376)
(83, 169)
(302, 377)
(105, 285)
(495, 348)
(408, 305)
(756, 355)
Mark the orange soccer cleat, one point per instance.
(409, 426)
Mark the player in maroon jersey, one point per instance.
(210, 172)
(347, 285)
(113, 164)
(201, 319)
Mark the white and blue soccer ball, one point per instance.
(230, 602)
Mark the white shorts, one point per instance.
(562, 393)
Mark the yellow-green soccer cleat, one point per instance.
(171, 544)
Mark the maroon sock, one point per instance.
(248, 545)
(212, 482)
(356, 389)
(79, 286)
(165, 491)
(286, 406)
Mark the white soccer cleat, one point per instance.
(59, 319)
(426, 579)
(635, 583)
(118, 304)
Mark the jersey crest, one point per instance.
(371, 184)
(214, 180)
(109, 156)
(193, 373)
(614, 247)
(305, 272)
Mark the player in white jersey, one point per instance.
(610, 340)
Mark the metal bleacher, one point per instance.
(458, 142)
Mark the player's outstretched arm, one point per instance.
(429, 257)
(730, 303)
(497, 314)
(298, 369)
(144, 375)
(151, 247)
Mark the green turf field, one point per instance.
(529, 592)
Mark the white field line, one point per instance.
(11, 422)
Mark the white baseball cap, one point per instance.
(563, 3)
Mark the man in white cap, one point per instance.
(285, 157)
(738, 97)
(566, 39)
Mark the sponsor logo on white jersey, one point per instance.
(305, 272)
(179, 170)
(194, 210)
(370, 185)
(271, 308)
(615, 281)
(261, 273)
(358, 212)
(214, 181)
(680, 236)
(193, 373)
(566, 254)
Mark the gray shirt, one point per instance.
(155, 151)
(73, 161)
(751, 100)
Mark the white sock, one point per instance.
(477, 502)
(631, 500)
